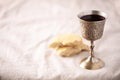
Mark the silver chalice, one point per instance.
(92, 26)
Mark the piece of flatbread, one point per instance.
(66, 40)
(68, 45)
(71, 51)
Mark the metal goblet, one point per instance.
(92, 26)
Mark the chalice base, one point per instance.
(92, 63)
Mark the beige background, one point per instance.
(27, 27)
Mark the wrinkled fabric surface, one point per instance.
(27, 27)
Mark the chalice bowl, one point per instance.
(92, 26)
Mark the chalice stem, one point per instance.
(92, 49)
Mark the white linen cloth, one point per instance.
(27, 27)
